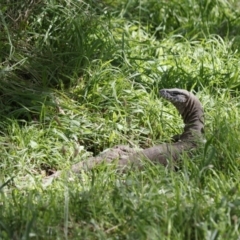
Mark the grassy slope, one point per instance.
(78, 78)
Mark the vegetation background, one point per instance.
(77, 77)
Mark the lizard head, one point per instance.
(175, 95)
(178, 97)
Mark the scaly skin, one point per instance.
(166, 154)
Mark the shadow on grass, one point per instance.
(37, 58)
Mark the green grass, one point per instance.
(78, 77)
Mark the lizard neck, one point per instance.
(193, 118)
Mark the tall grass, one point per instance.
(78, 77)
(192, 19)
